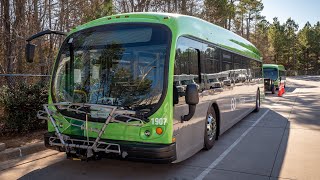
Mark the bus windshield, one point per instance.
(270, 73)
(120, 65)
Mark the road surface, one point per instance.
(282, 141)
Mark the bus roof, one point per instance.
(185, 25)
(277, 66)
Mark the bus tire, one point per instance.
(210, 132)
(273, 89)
(258, 101)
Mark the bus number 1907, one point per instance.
(159, 121)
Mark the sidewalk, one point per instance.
(12, 153)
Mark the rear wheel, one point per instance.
(257, 101)
(210, 132)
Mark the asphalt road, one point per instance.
(282, 141)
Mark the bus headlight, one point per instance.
(147, 133)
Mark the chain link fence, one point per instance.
(12, 80)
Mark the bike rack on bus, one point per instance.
(90, 146)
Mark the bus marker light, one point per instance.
(173, 139)
(159, 130)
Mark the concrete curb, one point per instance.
(13, 153)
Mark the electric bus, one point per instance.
(274, 76)
(117, 90)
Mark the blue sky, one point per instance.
(299, 10)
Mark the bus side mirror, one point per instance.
(192, 99)
(30, 48)
(175, 95)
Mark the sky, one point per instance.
(300, 11)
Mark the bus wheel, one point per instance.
(257, 101)
(273, 89)
(210, 133)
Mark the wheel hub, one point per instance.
(211, 126)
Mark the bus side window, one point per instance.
(226, 61)
(186, 69)
(186, 66)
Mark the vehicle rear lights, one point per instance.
(159, 130)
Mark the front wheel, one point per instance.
(257, 102)
(210, 132)
(273, 89)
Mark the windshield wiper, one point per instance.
(146, 74)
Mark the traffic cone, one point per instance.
(280, 92)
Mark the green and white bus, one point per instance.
(274, 76)
(116, 81)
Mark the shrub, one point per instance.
(20, 106)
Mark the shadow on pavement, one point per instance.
(111, 169)
(307, 78)
(256, 154)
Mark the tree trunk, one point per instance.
(168, 5)
(248, 27)
(242, 26)
(183, 7)
(50, 55)
(7, 41)
(19, 32)
(176, 6)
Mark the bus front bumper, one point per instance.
(136, 151)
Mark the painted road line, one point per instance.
(227, 151)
